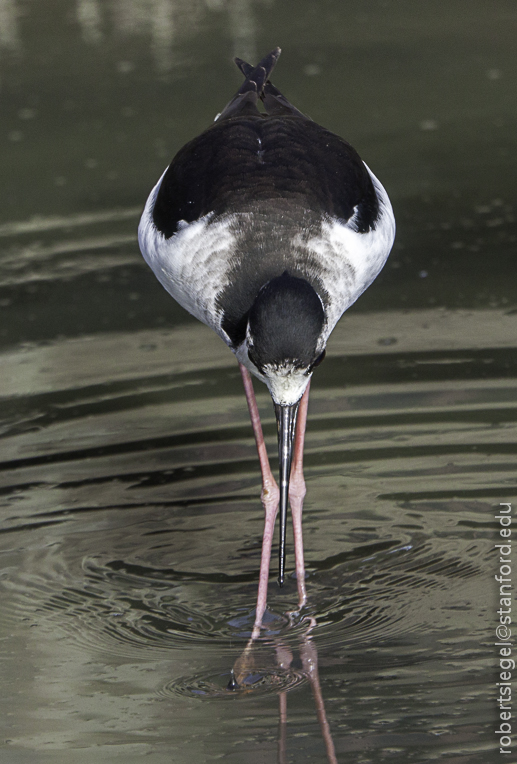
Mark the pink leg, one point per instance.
(270, 498)
(297, 492)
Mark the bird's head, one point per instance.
(285, 336)
(285, 340)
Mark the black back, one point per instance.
(244, 160)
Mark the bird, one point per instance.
(267, 227)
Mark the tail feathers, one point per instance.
(257, 76)
(257, 85)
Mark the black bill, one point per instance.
(286, 422)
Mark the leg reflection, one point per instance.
(247, 665)
(309, 656)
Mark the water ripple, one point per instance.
(263, 682)
(131, 507)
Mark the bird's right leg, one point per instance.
(270, 499)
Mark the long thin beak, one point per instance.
(286, 422)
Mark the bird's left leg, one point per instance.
(297, 492)
(270, 498)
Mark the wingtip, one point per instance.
(274, 55)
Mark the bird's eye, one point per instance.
(318, 360)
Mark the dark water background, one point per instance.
(129, 494)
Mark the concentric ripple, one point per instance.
(263, 682)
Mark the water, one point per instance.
(129, 483)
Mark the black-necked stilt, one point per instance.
(267, 227)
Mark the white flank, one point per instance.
(192, 264)
(348, 261)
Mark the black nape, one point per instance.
(285, 323)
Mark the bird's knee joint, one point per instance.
(298, 492)
(270, 495)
